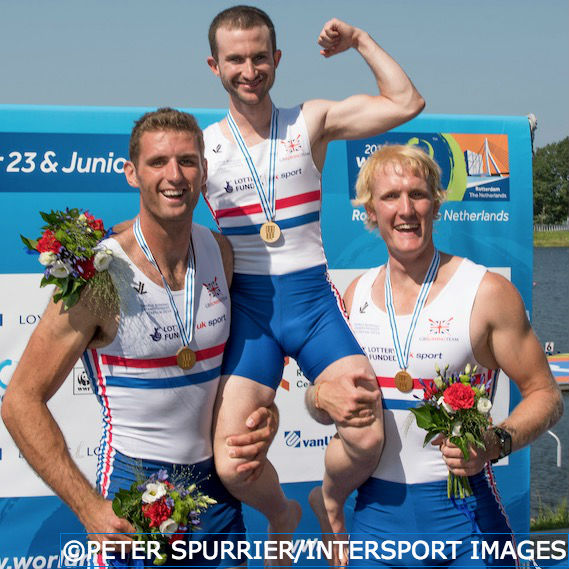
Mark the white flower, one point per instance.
(168, 526)
(82, 218)
(445, 406)
(154, 491)
(59, 270)
(439, 382)
(102, 259)
(467, 369)
(484, 405)
(47, 258)
(457, 429)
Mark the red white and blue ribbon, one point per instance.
(266, 196)
(186, 326)
(403, 354)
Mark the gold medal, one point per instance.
(270, 232)
(403, 381)
(185, 358)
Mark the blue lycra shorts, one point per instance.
(422, 514)
(273, 316)
(220, 522)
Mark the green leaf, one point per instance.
(31, 244)
(423, 416)
(430, 436)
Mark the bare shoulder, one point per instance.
(226, 255)
(499, 299)
(314, 112)
(349, 294)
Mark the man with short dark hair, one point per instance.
(264, 190)
(157, 396)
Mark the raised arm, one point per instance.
(56, 344)
(362, 115)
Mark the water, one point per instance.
(550, 484)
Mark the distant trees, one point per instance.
(550, 176)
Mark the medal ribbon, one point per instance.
(185, 327)
(267, 198)
(403, 354)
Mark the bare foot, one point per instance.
(339, 555)
(281, 528)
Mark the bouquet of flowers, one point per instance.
(69, 250)
(458, 407)
(162, 509)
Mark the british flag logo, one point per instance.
(213, 288)
(439, 327)
(292, 145)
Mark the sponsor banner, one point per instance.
(40, 162)
(486, 165)
(474, 167)
(74, 406)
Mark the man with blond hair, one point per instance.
(391, 308)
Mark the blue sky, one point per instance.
(506, 57)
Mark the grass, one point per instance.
(551, 238)
(551, 518)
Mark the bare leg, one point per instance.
(237, 398)
(351, 457)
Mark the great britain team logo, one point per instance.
(292, 145)
(213, 288)
(440, 327)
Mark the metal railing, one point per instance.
(546, 227)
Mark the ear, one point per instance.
(436, 208)
(213, 65)
(370, 213)
(204, 177)
(277, 57)
(130, 174)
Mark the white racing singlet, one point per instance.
(152, 409)
(442, 336)
(235, 204)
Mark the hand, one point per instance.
(102, 524)
(350, 400)
(253, 446)
(455, 461)
(337, 36)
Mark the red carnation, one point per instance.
(86, 268)
(48, 243)
(459, 396)
(156, 512)
(95, 224)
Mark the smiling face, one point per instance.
(245, 63)
(403, 207)
(170, 172)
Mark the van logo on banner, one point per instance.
(294, 439)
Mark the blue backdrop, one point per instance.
(54, 157)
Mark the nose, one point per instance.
(249, 72)
(406, 205)
(173, 171)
